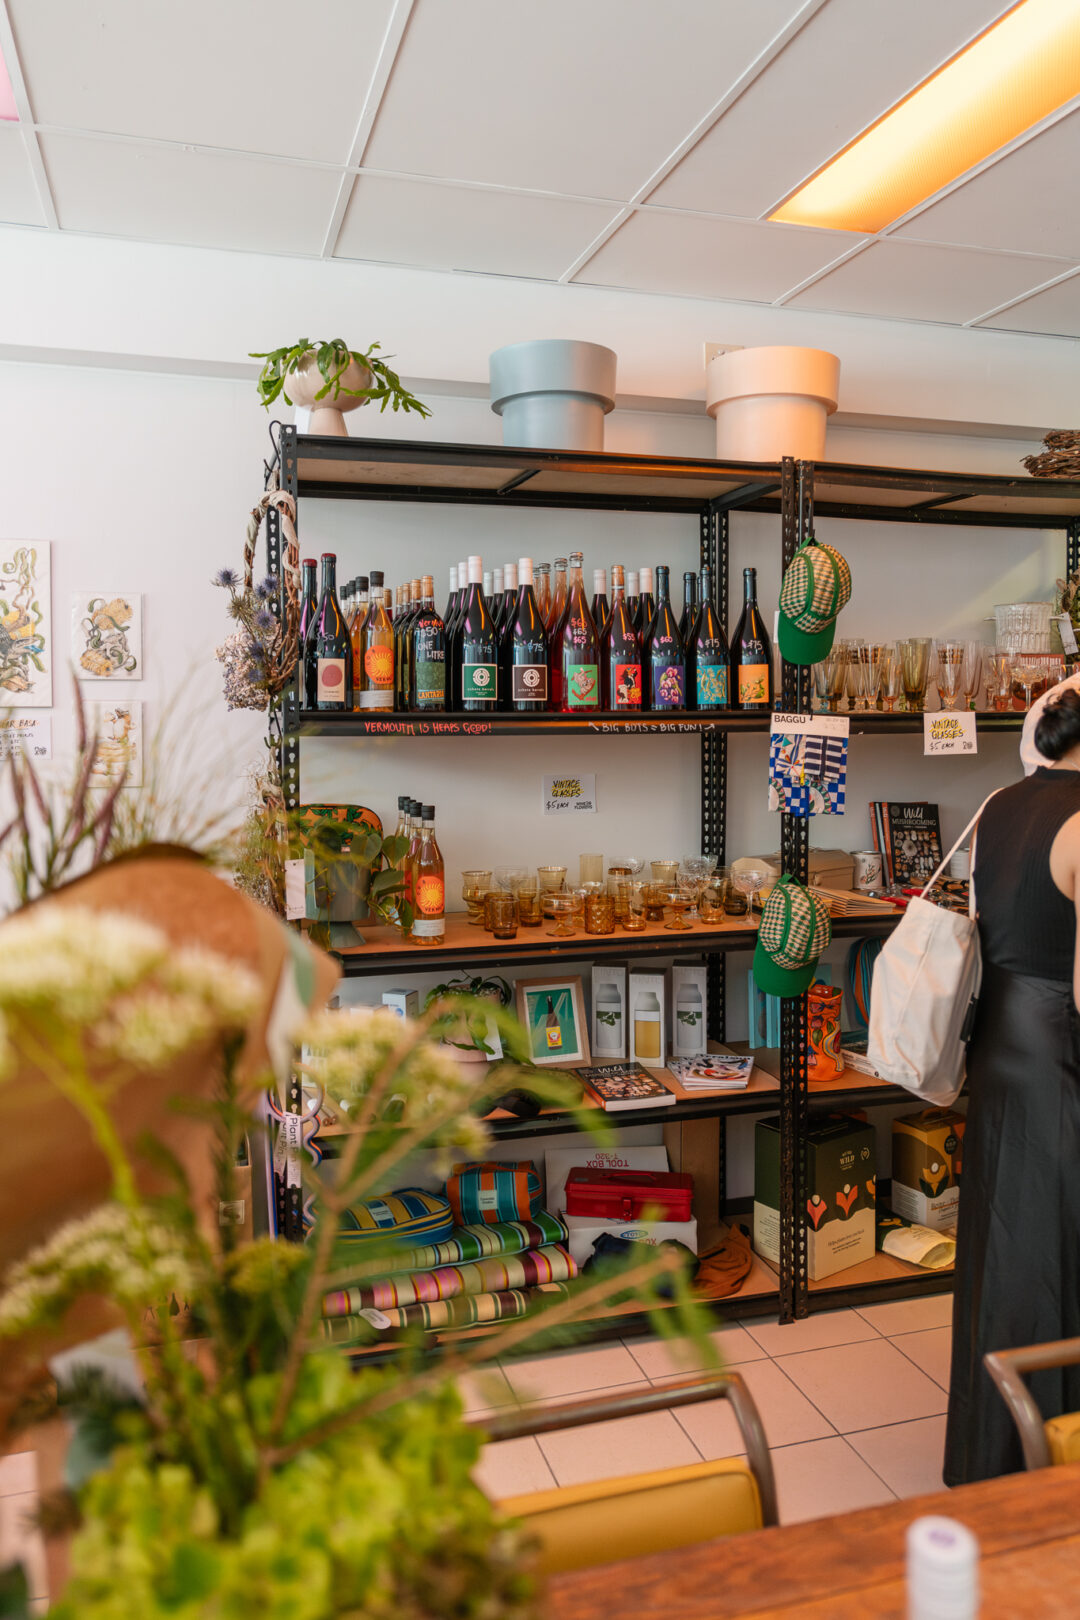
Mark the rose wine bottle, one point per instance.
(751, 653)
(328, 650)
(620, 653)
(575, 653)
(479, 646)
(558, 597)
(429, 886)
(525, 649)
(599, 607)
(663, 660)
(708, 657)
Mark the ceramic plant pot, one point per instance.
(772, 402)
(327, 415)
(554, 393)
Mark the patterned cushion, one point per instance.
(407, 1216)
(490, 1193)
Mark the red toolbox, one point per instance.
(624, 1195)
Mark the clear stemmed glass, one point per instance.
(836, 661)
(693, 876)
(890, 677)
(750, 880)
(950, 661)
(819, 676)
(873, 651)
(915, 670)
(998, 681)
(1028, 672)
(856, 676)
(972, 673)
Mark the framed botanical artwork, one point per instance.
(26, 651)
(106, 636)
(553, 1013)
(118, 725)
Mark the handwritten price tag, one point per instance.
(26, 734)
(563, 794)
(951, 732)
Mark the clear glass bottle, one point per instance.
(426, 654)
(429, 886)
(620, 652)
(377, 652)
(408, 866)
(574, 655)
(663, 661)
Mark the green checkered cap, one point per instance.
(816, 585)
(795, 928)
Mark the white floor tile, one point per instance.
(18, 1473)
(481, 1391)
(679, 1358)
(817, 1332)
(572, 1372)
(822, 1477)
(20, 1542)
(511, 1468)
(907, 1456)
(624, 1446)
(864, 1386)
(788, 1417)
(931, 1350)
(909, 1315)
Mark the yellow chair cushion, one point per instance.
(1063, 1438)
(610, 1519)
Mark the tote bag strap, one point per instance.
(972, 824)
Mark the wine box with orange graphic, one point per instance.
(927, 1154)
(840, 1208)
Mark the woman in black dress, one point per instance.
(1018, 1236)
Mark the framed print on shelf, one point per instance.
(26, 650)
(553, 1013)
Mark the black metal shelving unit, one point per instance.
(505, 477)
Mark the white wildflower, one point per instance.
(151, 1028)
(229, 992)
(71, 962)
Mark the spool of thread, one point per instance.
(942, 1570)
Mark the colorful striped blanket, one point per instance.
(467, 1243)
(467, 1310)
(499, 1274)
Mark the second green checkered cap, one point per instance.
(816, 585)
(794, 930)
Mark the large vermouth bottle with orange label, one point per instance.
(751, 654)
(377, 653)
(328, 650)
(429, 886)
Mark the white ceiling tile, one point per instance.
(19, 202)
(921, 283)
(1020, 203)
(663, 252)
(847, 67)
(457, 228)
(1055, 312)
(163, 194)
(560, 95)
(257, 75)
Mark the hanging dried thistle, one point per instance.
(260, 657)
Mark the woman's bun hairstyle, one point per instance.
(1058, 728)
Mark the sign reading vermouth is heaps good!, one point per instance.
(562, 794)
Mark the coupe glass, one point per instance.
(972, 673)
(561, 908)
(1028, 672)
(950, 661)
(890, 677)
(915, 670)
(750, 880)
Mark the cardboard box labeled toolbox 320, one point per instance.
(927, 1149)
(840, 1213)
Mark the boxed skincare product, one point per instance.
(646, 997)
(687, 997)
(927, 1150)
(609, 1013)
(406, 1003)
(840, 1211)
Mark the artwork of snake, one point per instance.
(22, 643)
(105, 631)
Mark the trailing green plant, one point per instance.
(339, 846)
(459, 1028)
(333, 359)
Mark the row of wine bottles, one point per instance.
(509, 646)
(423, 872)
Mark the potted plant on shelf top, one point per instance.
(311, 374)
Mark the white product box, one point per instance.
(687, 997)
(406, 1003)
(646, 1001)
(558, 1163)
(584, 1232)
(609, 1013)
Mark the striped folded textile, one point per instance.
(498, 1274)
(467, 1243)
(494, 1192)
(397, 1217)
(467, 1310)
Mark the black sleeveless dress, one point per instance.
(1018, 1233)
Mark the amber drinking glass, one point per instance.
(599, 913)
(677, 907)
(528, 903)
(636, 908)
(560, 909)
(502, 909)
(474, 886)
(664, 871)
(654, 902)
(711, 901)
(551, 878)
(915, 670)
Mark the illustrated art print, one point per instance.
(106, 636)
(119, 730)
(26, 652)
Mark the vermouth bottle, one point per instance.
(646, 607)
(426, 655)
(356, 632)
(377, 652)
(688, 618)
(429, 886)
(525, 649)
(574, 656)
(708, 656)
(328, 650)
(663, 661)
(751, 653)
(599, 606)
(309, 606)
(479, 649)
(408, 866)
(620, 653)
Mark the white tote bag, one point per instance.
(924, 991)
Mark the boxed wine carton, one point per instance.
(584, 1231)
(609, 1012)
(687, 999)
(927, 1150)
(840, 1211)
(647, 999)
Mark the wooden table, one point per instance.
(852, 1567)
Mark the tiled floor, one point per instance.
(853, 1404)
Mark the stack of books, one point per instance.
(715, 1071)
(908, 837)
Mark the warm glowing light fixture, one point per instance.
(1021, 70)
(8, 108)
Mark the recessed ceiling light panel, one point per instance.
(8, 108)
(1019, 71)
